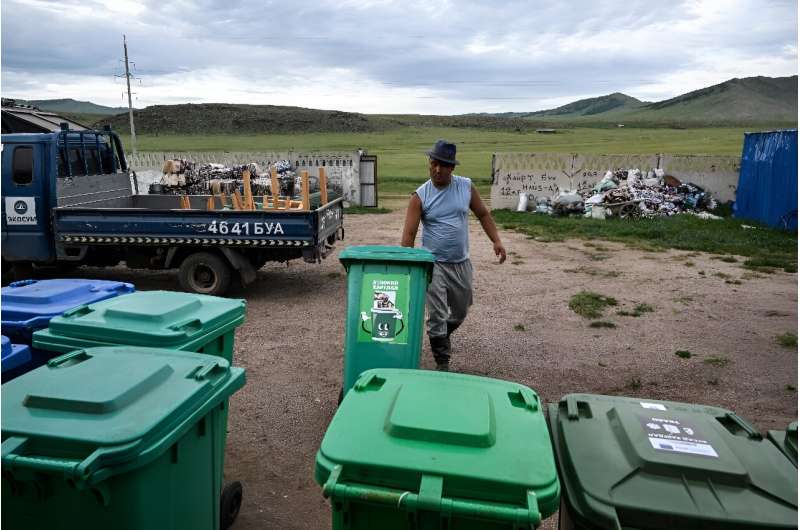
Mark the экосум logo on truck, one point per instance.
(20, 210)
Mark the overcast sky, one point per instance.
(376, 56)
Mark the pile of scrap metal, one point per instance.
(183, 177)
(627, 194)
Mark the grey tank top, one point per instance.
(445, 212)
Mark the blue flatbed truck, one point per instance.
(69, 199)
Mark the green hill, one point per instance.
(223, 118)
(71, 106)
(758, 102)
(220, 118)
(752, 101)
(592, 106)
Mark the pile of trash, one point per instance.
(626, 194)
(183, 177)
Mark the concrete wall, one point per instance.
(342, 168)
(542, 174)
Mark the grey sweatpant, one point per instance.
(449, 296)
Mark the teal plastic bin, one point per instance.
(384, 325)
(116, 438)
(638, 464)
(419, 449)
(157, 319)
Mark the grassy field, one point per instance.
(401, 152)
(765, 249)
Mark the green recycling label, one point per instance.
(383, 308)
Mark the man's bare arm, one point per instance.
(413, 217)
(487, 223)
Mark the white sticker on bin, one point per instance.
(692, 448)
(655, 406)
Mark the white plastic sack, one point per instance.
(522, 204)
(598, 212)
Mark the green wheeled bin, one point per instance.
(158, 319)
(426, 450)
(386, 289)
(637, 464)
(127, 438)
(786, 441)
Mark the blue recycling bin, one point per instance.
(28, 305)
(16, 359)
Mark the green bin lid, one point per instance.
(147, 318)
(386, 253)
(487, 439)
(636, 463)
(786, 441)
(93, 413)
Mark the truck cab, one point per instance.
(40, 171)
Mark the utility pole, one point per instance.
(130, 103)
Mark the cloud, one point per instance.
(391, 57)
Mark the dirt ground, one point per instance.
(519, 329)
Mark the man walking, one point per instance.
(443, 204)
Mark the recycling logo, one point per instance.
(20, 207)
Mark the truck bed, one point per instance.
(115, 215)
(157, 220)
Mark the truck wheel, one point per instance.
(229, 504)
(205, 273)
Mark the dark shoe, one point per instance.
(440, 346)
(443, 367)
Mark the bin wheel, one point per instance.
(205, 273)
(229, 504)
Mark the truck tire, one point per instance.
(205, 273)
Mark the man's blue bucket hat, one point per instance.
(444, 151)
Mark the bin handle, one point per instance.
(530, 401)
(12, 459)
(61, 359)
(22, 283)
(412, 502)
(80, 471)
(190, 326)
(746, 427)
(123, 288)
(77, 311)
(202, 371)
